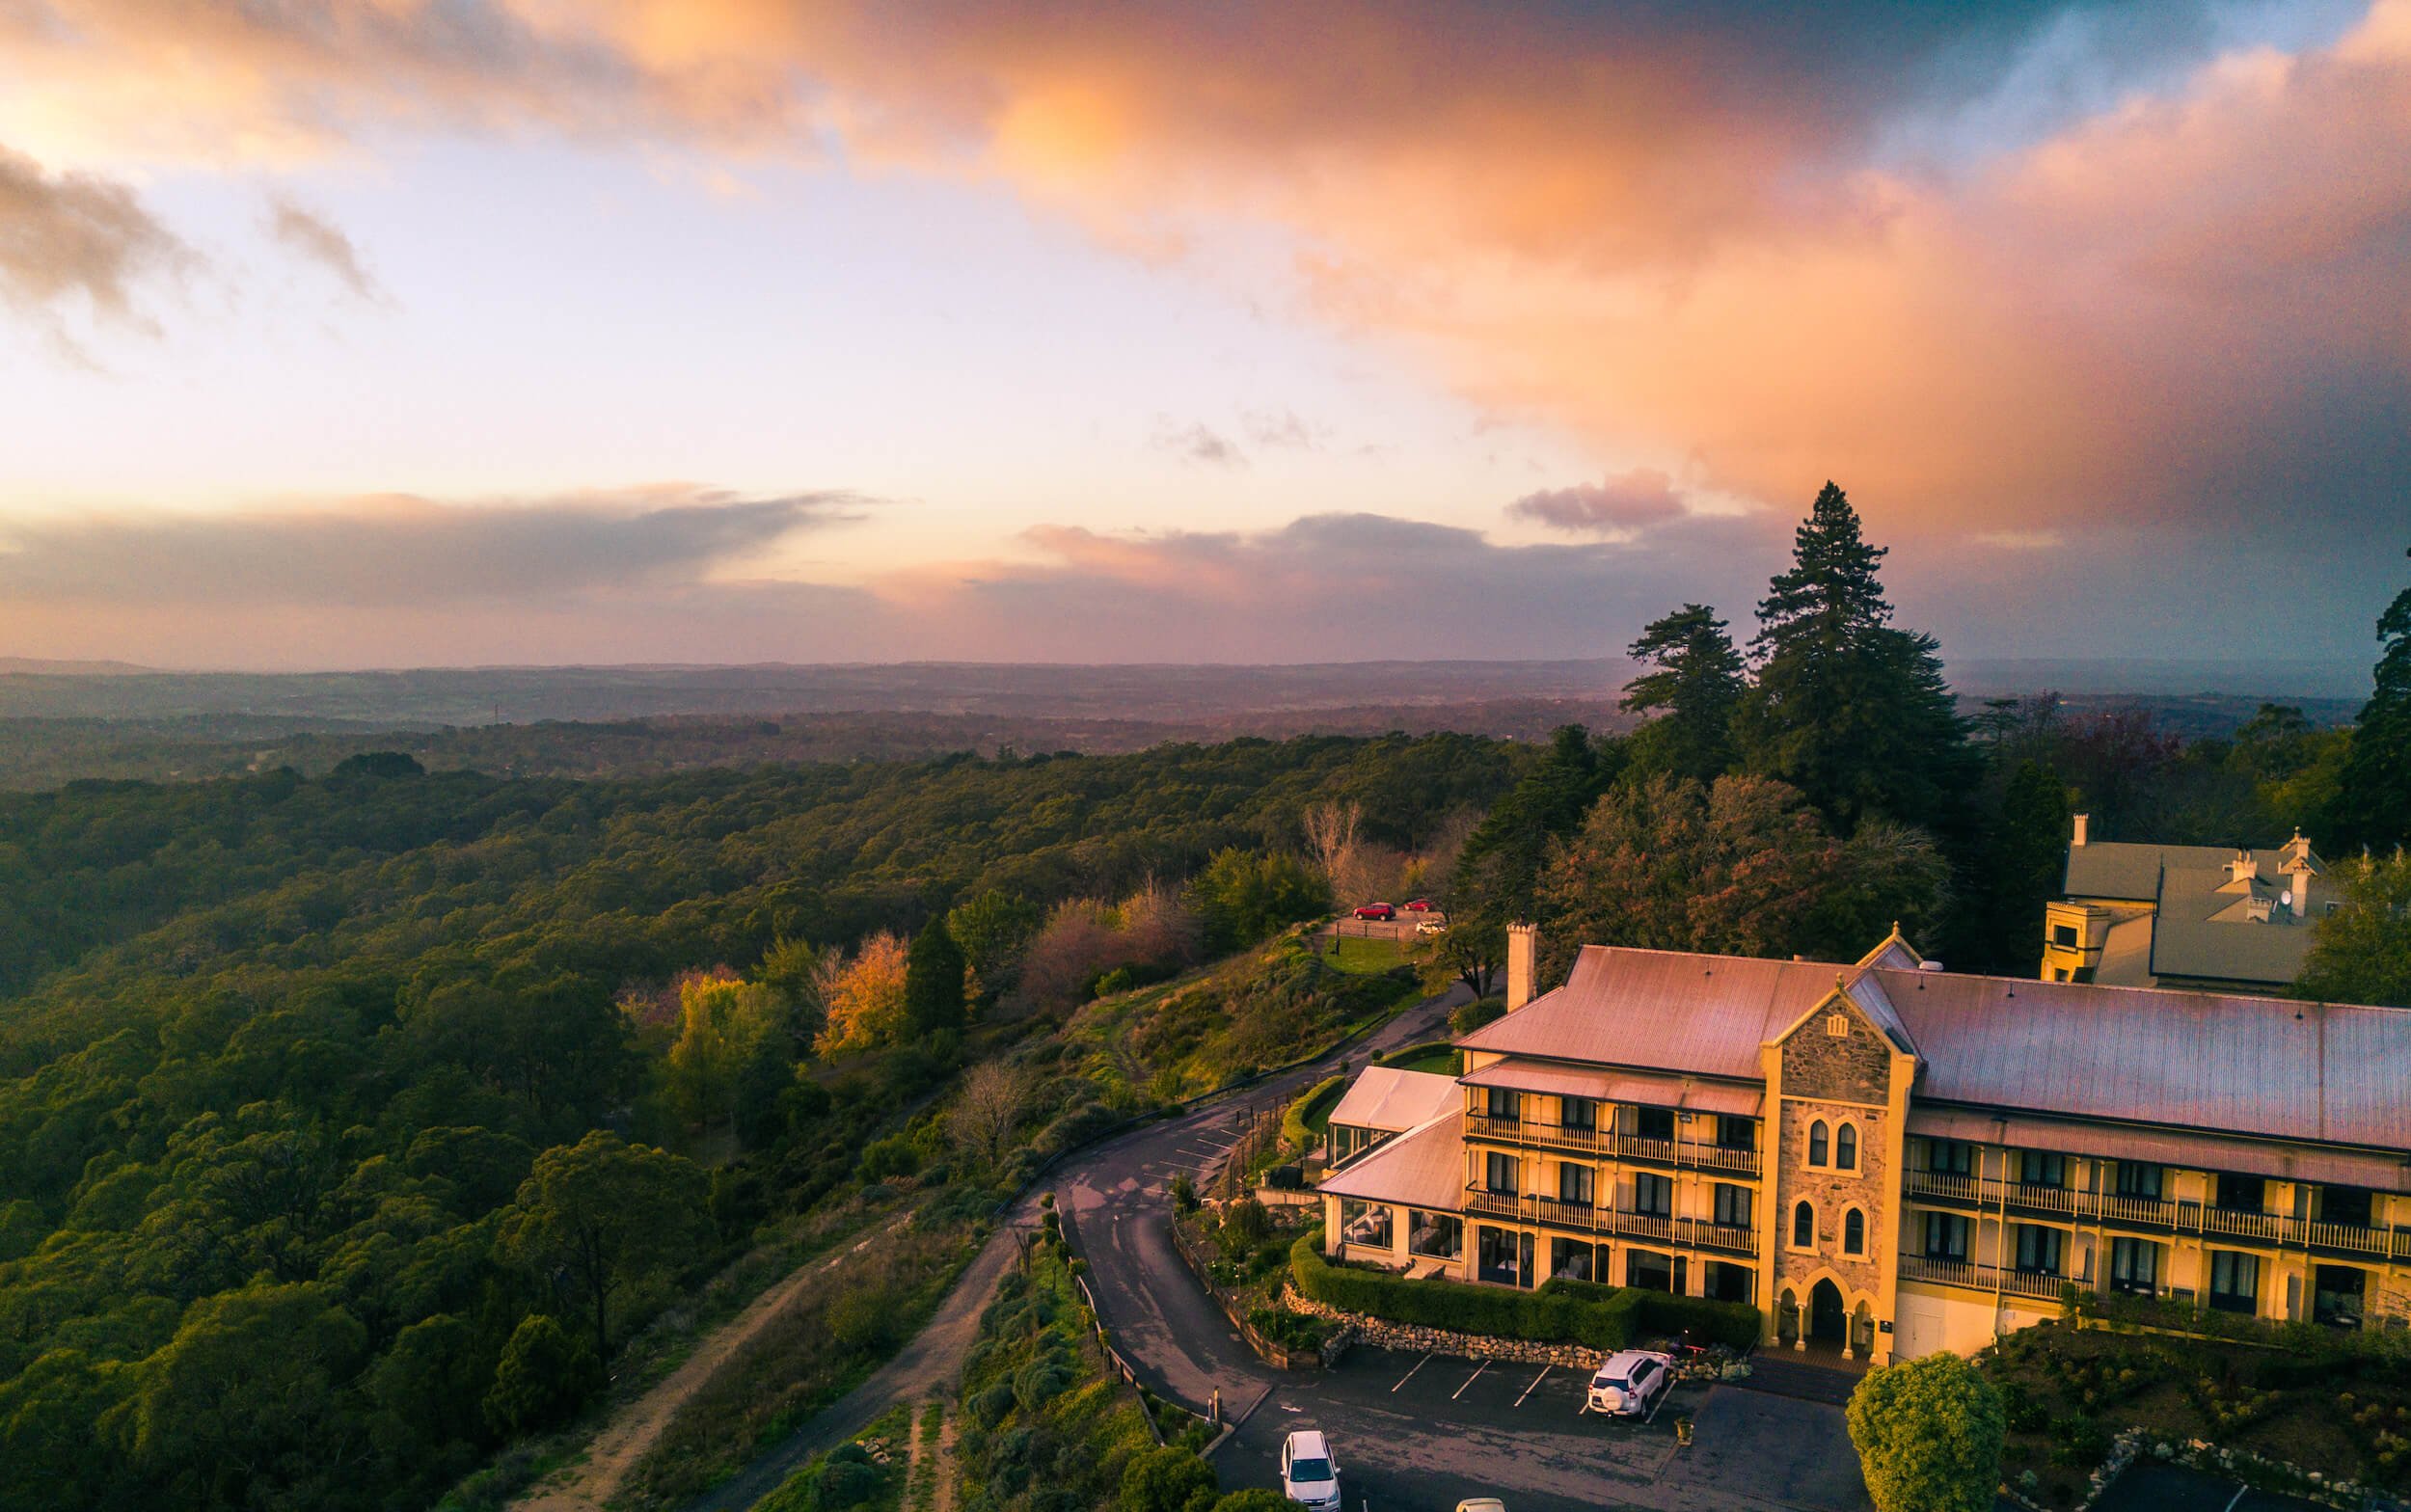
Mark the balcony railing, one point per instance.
(1704, 1154)
(1585, 1218)
(2159, 1215)
(1985, 1277)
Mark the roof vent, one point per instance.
(1928, 965)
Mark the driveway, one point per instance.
(1417, 1432)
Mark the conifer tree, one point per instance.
(1847, 707)
(2374, 791)
(933, 981)
(1695, 692)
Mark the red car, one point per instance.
(1377, 910)
(1420, 906)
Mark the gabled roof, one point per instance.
(1422, 1167)
(2199, 930)
(1386, 1098)
(2126, 868)
(1649, 1089)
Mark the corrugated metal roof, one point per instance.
(1668, 1010)
(1636, 1087)
(2197, 1060)
(1423, 1168)
(2166, 1146)
(1386, 1098)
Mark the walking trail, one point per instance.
(586, 1485)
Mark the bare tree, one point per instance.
(991, 1105)
(1331, 838)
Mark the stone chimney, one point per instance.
(1522, 963)
(2300, 882)
(2079, 838)
(2242, 869)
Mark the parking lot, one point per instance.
(1424, 1432)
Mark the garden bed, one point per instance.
(2340, 1412)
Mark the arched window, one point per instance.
(1804, 1226)
(1846, 1146)
(1817, 1153)
(1853, 1232)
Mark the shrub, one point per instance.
(1184, 1193)
(896, 1155)
(844, 1483)
(1929, 1436)
(1039, 1382)
(1163, 1480)
(1706, 1322)
(1321, 1098)
(1598, 1317)
(545, 1373)
(1253, 1499)
(1466, 1017)
(988, 1408)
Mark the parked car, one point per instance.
(1481, 1505)
(1308, 1474)
(1420, 906)
(1377, 910)
(1431, 926)
(1630, 1384)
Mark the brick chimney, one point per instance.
(2079, 837)
(1522, 963)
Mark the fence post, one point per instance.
(1217, 1407)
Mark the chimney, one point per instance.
(2080, 830)
(2242, 869)
(2302, 892)
(1522, 963)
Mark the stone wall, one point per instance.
(1829, 1078)
(1384, 1335)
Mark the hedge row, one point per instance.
(1293, 1130)
(1560, 1311)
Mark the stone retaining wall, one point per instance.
(1383, 1334)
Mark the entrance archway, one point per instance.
(1828, 1320)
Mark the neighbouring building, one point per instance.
(1890, 1159)
(2203, 917)
(1384, 1102)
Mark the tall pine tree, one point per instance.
(1695, 692)
(2374, 791)
(933, 981)
(1846, 708)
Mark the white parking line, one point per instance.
(1470, 1380)
(1536, 1380)
(1410, 1375)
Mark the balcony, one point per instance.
(1985, 1277)
(2155, 1215)
(1701, 1154)
(1608, 1222)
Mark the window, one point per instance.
(1946, 1236)
(1853, 1232)
(1577, 1113)
(2242, 1194)
(1575, 1183)
(1505, 1102)
(1818, 1151)
(1950, 1157)
(1439, 1236)
(2064, 935)
(1365, 1223)
(1837, 1026)
(2344, 1204)
(1502, 1255)
(2135, 1179)
(1734, 1133)
(1571, 1259)
(2337, 1293)
(2234, 1280)
(2039, 1248)
(1500, 1174)
(1648, 1272)
(1733, 1205)
(2135, 1266)
(1846, 1148)
(1653, 1195)
(1804, 1226)
(1653, 1122)
(2040, 1168)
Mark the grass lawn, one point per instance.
(1439, 1061)
(2070, 1390)
(1365, 957)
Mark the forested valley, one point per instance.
(362, 1134)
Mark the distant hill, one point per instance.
(35, 667)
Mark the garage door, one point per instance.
(1920, 1327)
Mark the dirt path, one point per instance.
(945, 1465)
(585, 1486)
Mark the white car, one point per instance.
(1430, 926)
(1309, 1474)
(1631, 1382)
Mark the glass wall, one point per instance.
(1365, 1223)
(1438, 1237)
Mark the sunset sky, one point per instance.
(353, 333)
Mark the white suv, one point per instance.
(1631, 1382)
(1309, 1474)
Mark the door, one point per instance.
(1920, 1327)
(1828, 1321)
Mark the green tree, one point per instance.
(1693, 692)
(429, 1381)
(607, 1217)
(2372, 806)
(1849, 710)
(734, 1053)
(1244, 895)
(1497, 877)
(934, 968)
(545, 1373)
(994, 929)
(1163, 1479)
(1929, 1436)
(2361, 951)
